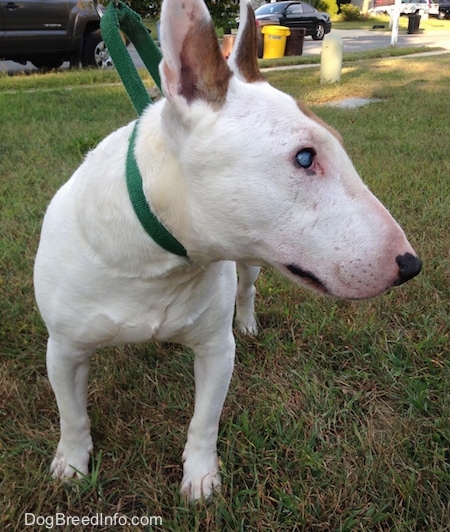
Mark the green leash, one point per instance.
(119, 16)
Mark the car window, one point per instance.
(294, 9)
(268, 9)
(308, 9)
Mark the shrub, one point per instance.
(329, 6)
(351, 12)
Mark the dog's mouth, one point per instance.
(309, 278)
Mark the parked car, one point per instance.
(295, 15)
(47, 33)
(414, 6)
(407, 7)
(440, 8)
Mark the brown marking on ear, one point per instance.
(247, 50)
(305, 110)
(204, 73)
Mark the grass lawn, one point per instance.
(338, 416)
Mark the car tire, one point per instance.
(319, 32)
(95, 53)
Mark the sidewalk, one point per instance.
(439, 37)
(359, 40)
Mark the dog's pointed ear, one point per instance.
(192, 67)
(242, 60)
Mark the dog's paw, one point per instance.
(67, 468)
(200, 480)
(194, 489)
(246, 323)
(66, 465)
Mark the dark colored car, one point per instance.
(295, 15)
(441, 8)
(49, 32)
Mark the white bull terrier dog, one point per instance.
(237, 172)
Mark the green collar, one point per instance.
(149, 222)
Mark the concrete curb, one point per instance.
(293, 67)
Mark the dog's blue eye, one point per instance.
(305, 157)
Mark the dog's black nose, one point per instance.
(409, 266)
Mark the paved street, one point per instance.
(359, 40)
(354, 40)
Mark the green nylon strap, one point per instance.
(148, 220)
(119, 16)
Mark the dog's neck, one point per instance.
(163, 182)
(149, 221)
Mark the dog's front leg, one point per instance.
(68, 371)
(213, 368)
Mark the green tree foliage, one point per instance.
(333, 7)
(223, 12)
(145, 8)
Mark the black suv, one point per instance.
(49, 32)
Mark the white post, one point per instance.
(331, 59)
(395, 17)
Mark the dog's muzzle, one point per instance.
(409, 267)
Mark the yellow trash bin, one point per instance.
(274, 41)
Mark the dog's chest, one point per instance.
(181, 308)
